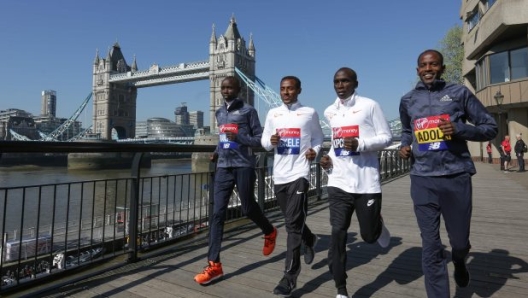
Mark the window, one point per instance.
(499, 68)
(519, 63)
(489, 3)
(473, 18)
(482, 74)
(503, 67)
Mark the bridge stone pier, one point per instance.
(116, 83)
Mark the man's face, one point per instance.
(229, 89)
(289, 91)
(430, 68)
(344, 84)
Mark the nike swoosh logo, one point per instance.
(299, 192)
(353, 112)
(370, 202)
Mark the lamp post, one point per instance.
(498, 99)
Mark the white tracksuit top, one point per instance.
(363, 118)
(300, 130)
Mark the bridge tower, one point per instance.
(114, 105)
(225, 53)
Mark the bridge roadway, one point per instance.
(498, 261)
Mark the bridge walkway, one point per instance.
(498, 261)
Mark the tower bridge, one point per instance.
(116, 83)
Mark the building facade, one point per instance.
(495, 66)
(196, 119)
(48, 106)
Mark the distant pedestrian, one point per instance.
(489, 151)
(359, 131)
(434, 135)
(240, 130)
(506, 153)
(520, 148)
(294, 133)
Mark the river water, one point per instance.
(39, 197)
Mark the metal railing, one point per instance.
(51, 229)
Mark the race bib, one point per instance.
(224, 142)
(338, 139)
(290, 141)
(428, 135)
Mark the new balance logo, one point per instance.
(446, 98)
(370, 202)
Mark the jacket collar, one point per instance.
(437, 85)
(292, 107)
(351, 101)
(235, 105)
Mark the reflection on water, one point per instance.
(33, 175)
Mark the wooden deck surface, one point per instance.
(498, 261)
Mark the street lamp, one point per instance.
(498, 99)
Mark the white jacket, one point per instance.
(300, 130)
(361, 117)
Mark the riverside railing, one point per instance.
(50, 229)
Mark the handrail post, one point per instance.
(133, 233)
(212, 172)
(261, 176)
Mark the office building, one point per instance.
(196, 119)
(495, 65)
(49, 103)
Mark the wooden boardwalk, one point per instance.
(498, 261)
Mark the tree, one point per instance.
(453, 50)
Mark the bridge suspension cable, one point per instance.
(64, 126)
(18, 137)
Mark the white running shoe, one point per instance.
(384, 237)
(341, 296)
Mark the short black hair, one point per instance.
(349, 71)
(235, 79)
(431, 51)
(296, 79)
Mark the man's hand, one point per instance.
(213, 157)
(405, 152)
(310, 154)
(351, 144)
(231, 136)
(447, 127)
(275, 139)
(325, 162)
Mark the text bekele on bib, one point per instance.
(428, 135)
(338, 139)
(224, 142)
(290, 141)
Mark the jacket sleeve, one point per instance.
(382, 137)
(316, 132)
(484, 127)
(253, 139)
(405, 119)
(267, 133)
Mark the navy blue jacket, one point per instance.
(462, 106)
(249, 134)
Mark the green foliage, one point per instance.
(453, 50)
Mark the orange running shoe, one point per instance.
(269, 242)
(210, 273)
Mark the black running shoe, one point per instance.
(309, 251)
(284, 288)
(461, 274)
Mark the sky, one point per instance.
(51, 45)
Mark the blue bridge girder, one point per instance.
(156, 75)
